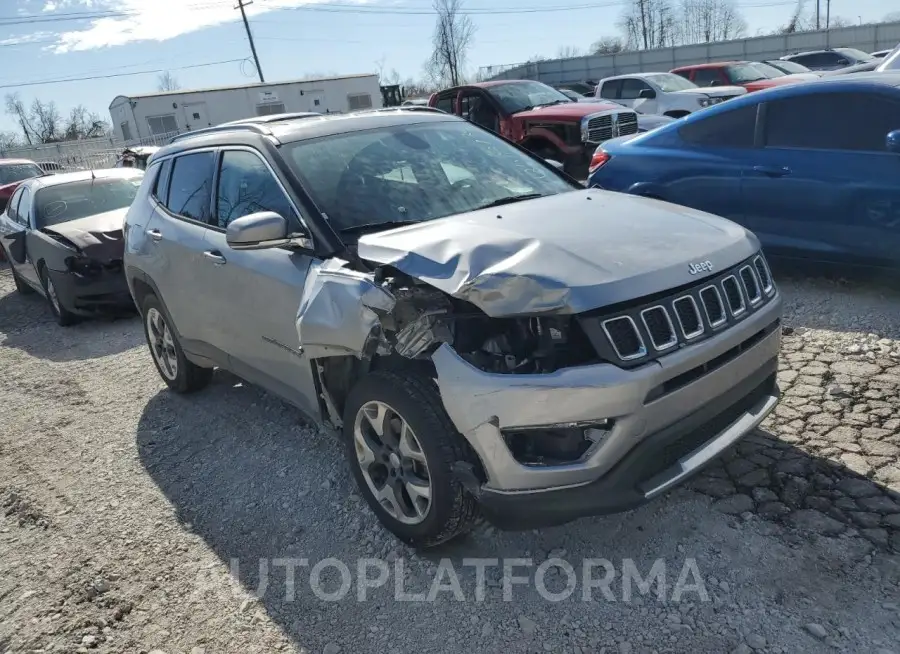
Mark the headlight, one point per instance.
(703, 102)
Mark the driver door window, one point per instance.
(246, 186)
(476, 108)
(707, 77)
(631, 88)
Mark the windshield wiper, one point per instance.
(510, 199)
(550, 104)
(387, 224)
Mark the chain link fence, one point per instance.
(102, 152)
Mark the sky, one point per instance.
(203, 42)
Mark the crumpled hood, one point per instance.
(562, 254)
(98, 236)
(570, 110)
(714, 91)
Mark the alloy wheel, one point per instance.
(162, 344)
(392, 462)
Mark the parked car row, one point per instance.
(773, 162)
(398, 279)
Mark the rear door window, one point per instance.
(190, 190)
(445, 103)
(12, 208)
(611, 90)
(161, 183)
(727, 129)
(808, 121)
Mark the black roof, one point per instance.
(301, 129)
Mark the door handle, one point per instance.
(155, 234)
(215, 256)
(772, 171)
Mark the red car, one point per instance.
(12, 172)
(732, 73)
(540, 119)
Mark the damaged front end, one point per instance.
(350, 322)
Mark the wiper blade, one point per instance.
(510, 199)
(355, 229)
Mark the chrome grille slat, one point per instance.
(637, 350)
(764, 274)
(691, 306)
(733, 295)
(751, 285)
(713, 306)
(602, 128)
(662, 336)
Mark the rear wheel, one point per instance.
(401, 445)
(21, 286)
(180, 375)
(63, 317)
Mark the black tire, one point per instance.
(21, 286)
(62, 316)
(188, 377)
(453, 511)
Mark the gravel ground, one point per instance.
(135, 521)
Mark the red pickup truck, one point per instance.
(735, 73)
(540, 118)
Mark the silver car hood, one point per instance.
(562, 254)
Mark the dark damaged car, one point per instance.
(490, 337)
(62, 235)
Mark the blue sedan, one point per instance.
(812, 168)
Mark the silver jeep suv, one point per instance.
(490, 337)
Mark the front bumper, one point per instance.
(82, 295)
(703, 414)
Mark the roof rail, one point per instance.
(249, 127)
(408, 107)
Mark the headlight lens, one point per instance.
(703, 102)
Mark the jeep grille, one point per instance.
(649, 329)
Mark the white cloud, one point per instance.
(152, 20)
(27, 38)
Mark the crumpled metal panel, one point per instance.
(562, 254)
(338, 313)
(99, 236)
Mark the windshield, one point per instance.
(64, 202)
(11, 173)
(769, 71)
(414, 173)
(891, 61)
(790, 67)
(743, 73)
(859, 55)
(521, 96)
(670, 82)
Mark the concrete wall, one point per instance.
(202, 109)
(867, 38)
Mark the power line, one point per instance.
(112, 75)
(240, 5)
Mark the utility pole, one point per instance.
(240, 5)
(827, 13)
(817, 16)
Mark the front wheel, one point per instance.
(401, 445)
(63, 317)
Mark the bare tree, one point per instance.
(892, 17)
(47, 121)
(453, 33)
(82, 124)
(568, 52)
(793, 25)
(705, 21)
(167, 82)
(607, 45)
(835, 22)
(15, 108)
(9, 141)
(649, 24)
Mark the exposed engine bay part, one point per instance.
(347, 312)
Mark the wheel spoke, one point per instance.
(388, 498)
(420, 495)
(409, 446)
(364, 452)
(377, 414)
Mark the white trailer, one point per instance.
(140, 117)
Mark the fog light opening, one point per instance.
(555, 445)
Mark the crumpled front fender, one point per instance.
(339, 311)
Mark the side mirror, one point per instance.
(647, 94)
(558, 164)
(713, 82)
(892, 142)
(256, 231)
